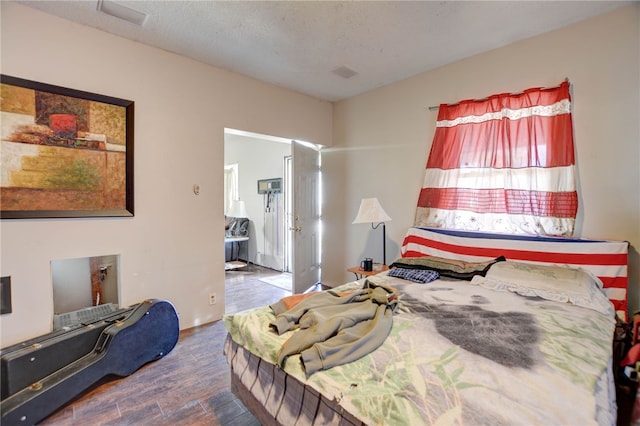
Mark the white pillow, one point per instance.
(557, 283)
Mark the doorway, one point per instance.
(266, 183)
(258, 162)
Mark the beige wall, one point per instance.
(173, 248)
(382, 138)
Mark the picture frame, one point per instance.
(64, 153)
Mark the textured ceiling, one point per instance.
(298, 44)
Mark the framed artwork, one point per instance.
(64, 152)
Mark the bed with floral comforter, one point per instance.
(521, 345)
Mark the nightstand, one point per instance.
(359, 273)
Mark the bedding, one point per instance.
(447, 267)
(562, 284)
(415, 275)
(607, 260)
(459, 353)
(521, 343)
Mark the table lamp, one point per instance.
(371, 212)
(237, 209)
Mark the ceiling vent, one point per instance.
(345, 72)
(122, 12)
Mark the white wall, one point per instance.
(173, 248)
(382, 138)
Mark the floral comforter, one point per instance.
(460, 353)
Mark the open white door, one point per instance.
(305, 223)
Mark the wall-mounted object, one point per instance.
(5, 295)
(61, 143)
(266, 186)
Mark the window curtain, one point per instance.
(503, 164)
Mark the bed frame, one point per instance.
(282, 399)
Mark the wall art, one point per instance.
(64, 152)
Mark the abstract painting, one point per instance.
(64, 152)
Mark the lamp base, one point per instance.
(384, 244)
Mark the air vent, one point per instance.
(122, 12)
(345, 72)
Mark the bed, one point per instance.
(515, 330)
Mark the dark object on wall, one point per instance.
(266, 186)
(147, 334)
(72, 151)
(5, 295)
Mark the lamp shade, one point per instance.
(237, 209)
(371, 212)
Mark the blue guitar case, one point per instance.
(147, 334)
(32, 360)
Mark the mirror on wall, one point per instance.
(84, 283)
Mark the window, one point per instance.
(503, 164)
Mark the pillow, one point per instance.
(447, 267)
(415, 275)
(557, 283)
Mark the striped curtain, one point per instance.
(503, 164)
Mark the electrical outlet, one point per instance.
(212, 298)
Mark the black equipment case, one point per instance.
(27, 362)
(117, 346)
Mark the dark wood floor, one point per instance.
(189, 386)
